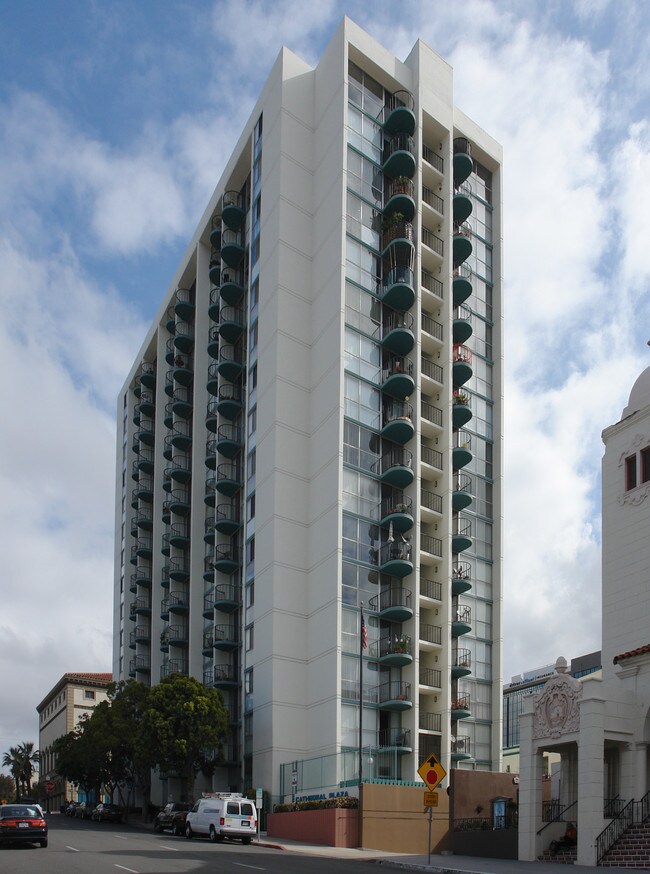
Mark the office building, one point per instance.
(313, 425)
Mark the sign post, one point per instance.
(433, 774)
(259, 803)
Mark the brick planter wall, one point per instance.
(335, 827)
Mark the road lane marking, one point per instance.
(172, 849)
(72, 849)
(120, 837)
(255, 867)
(132, 870)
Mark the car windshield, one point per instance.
(19, 812)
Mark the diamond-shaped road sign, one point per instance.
(432, 771)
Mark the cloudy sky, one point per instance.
(115, 122)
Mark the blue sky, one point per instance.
(115, 121)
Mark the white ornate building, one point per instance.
(601, 727)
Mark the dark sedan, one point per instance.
(107, 813)
(172, 817)
(22, 823)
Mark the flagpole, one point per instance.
(361, 699)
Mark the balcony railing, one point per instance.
(431, 501)
(431, 327)
(433, 158)
(433, 242)
(430, 721)
(433, 200)
(430, 456)
(431, 589)
(431, 284)
(431, 633)
(432, 371)
(431, 677)
(432, 545)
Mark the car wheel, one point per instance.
(188, 832)
(43, 843)
(178, 829)
(246, 840)
(156, 828)
(213, 834)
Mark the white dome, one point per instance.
(640, 394)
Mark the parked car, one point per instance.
(172, 817)
(85, 809)
(105, 812)
(22, 823)
(223, 815)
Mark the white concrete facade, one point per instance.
(602, 729)
(252, 531)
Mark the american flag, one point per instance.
(364, 633)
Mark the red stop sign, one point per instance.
(432, 777)
(49, 786)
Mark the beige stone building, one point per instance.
(74, 696)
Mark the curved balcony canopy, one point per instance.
(398, 113)
(395, 558)
(461, 412)
(211, 444)
(462, 203)
(214, 305)
(396, 512)
(460, 707)
(461, 365)
(184, 336)
(460, 748)
(461, 453)
(393, 604)
(224, 677)
(233, 285)
(398, 287)
(146, 406)
(227, 597)
(395, 650)
(461, 538)
(400, 198)
(231, 323)
(181, 435)
(182, 372)
(397, 377)
(147, 375)
(227, 518)
(230, 401)
(463, 164)
(399, 156)
(397, 422)
(170, 320)
(226, 637)
(461, 285)
(395, 467)
(233, 210)
(231, 362)
(462, 324)
(179, 535)
(396, 739)
(182, 402)
(226, 559)
(213, 345)
(230, 440)
(461, 621)
(232, 247)
(229, 479)
(179, 570)
(461, 495)
(178, 601)
(394, 695)
(214, 269)
(461, 577)
(180, 468)
(461, 663)
(397, 331)
(461, 243)
(179, 501)
(184, 304)
(215, 232)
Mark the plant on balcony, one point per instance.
(392, 221)
(401, 643)
(461, 397)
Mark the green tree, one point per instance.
(30, 757)
(7, 787)
(78, 757)
(185, 725)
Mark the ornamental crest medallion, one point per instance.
(556, 708)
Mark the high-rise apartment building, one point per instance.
(313, 426)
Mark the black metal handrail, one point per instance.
(612, 832)
(431, 456)
(555, 812)
(431, 677)
(399, 143)
(394, 737)
(431, 633)
(462, 658)
(396, 596)
(397, 502)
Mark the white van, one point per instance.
(223, 815)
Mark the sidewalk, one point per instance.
(439, 864)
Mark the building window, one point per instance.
(630, 472)
(88, 693)
(645, 465)
(248, 638)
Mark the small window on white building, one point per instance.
(630, 472)
(88, 693)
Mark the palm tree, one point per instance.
(30, 756)
(20, 761)
(14, 761)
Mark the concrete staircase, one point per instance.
(631, 850)
(564, 856)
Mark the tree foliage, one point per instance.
(7, 787)
(178, 726)
(20, 760)
(186, 725)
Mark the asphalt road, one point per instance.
(83, 847)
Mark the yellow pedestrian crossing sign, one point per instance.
(432, 771)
